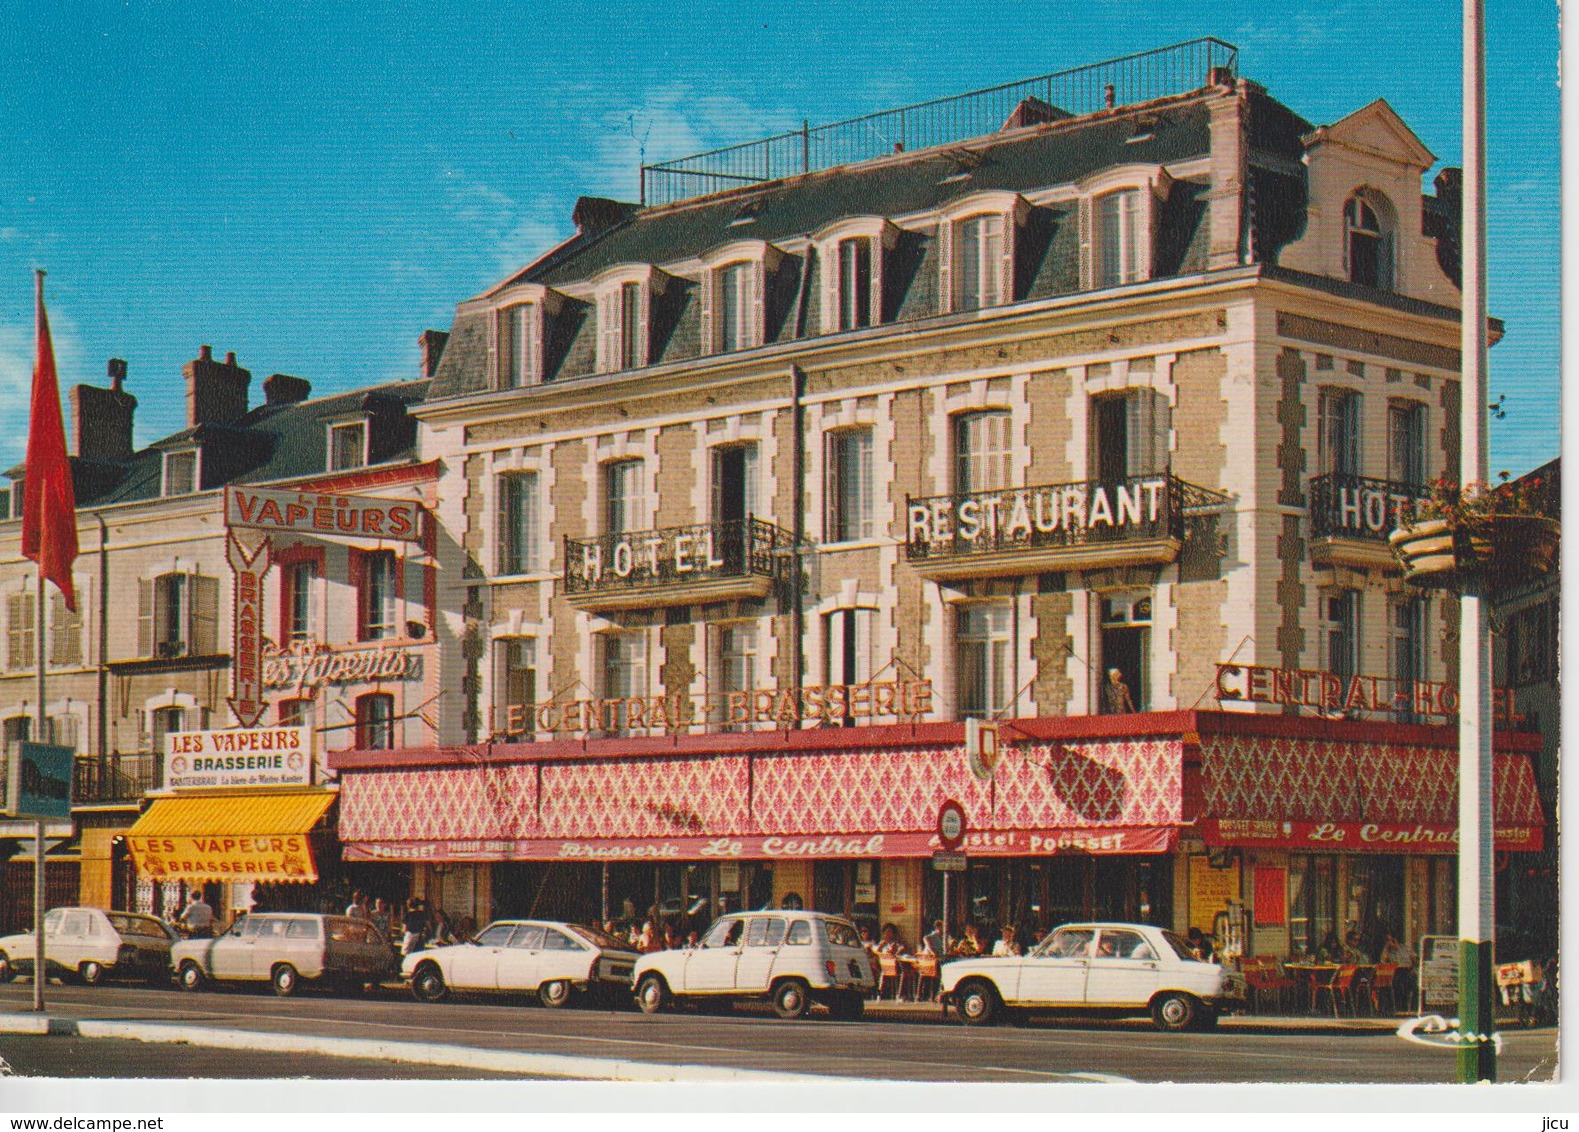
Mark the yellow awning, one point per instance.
(235, 836)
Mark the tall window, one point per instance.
(633, 344)
(855, 282)
(347, 446)
(21, 643)
(734, 482)
(981, 451)
(1129, 434)
(622, 496)
(1125, 639)
(515, 684)
(298, 587)
(849, 644)
(375, 722)
(849, 485)
(180, 473)
(517, 523)
(178, 615)
(734, 657)
(1366, 245)
(624, 665)
(377, 596)
(165, 721)
(1118, 248)
(519, 359)
(1409, 645)
(978, 257)
(984, 659)
(1339, 411)
(1342, 611)
(1406, 442)
(734, 330)
(65, 632)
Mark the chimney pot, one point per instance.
(216, 392)
(230, 357)
(206, 353)
(117, 372)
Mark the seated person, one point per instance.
(970, 944)
(1352, 951)
(1330, 950)
(890, 943)
(1007, 944)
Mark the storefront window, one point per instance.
(1313, 899)
(1376, 900)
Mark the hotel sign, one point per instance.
(987, 520)
(1334, 695)
(313, 513)
(655, 555)
(264, 756)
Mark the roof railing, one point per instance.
(1132, 79)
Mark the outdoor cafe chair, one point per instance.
(1340, 988)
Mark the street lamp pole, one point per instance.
(1477, 1058)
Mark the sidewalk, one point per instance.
(1248, 1023)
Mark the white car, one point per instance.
(1103, 968)
(286, 948)
(790, 958)
(555, 960)
(93, 945)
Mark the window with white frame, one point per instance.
(347, 446)
(377, 587)
(1119, 238)
(984, 658)
(981, 451)
(633, 339)
(849, 640)
(1406, 442)
(65, 632)
(1367, 242)
(375, 721)
(734, 657)
(1124, 646)
(1341, 617)
(1409, 646)
(180, 473)
(177, 615)
(977, 254)
(849, 485)
(733, 321)
(298, 600)
(166, 721)
(515, 685)
(519, 351)
(1338, 412)
(623, 664)
(20, 630)
(855, 283)
(517, 526)
(623, 496)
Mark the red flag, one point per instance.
(49, 505)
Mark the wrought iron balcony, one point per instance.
(115, 779)
(1351, 517)
(1067, 526)
(736, 558)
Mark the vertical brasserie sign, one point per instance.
(246, 673)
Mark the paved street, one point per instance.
(910, 1047)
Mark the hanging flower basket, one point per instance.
(1501, 550)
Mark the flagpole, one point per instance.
(40, 976)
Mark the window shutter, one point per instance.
(946, 281)
(644, 325)
(1087, 267)
(145, 617)
(608, 332)
(501, 348)
(65, 633)
(710, 336)
(758, 274)
(1000, 252)
(355, 571)
(203, 593)
(19, 616)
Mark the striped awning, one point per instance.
(232, 836)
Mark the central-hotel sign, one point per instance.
(1336, 695)
(1020, 515)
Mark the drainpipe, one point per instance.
(798, 595)
(104, 642)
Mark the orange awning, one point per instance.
(234, 836)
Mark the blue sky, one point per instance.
(311, 186)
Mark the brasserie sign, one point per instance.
(1020, 515)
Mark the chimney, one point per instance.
(594, 216)
(1449, 184)
(101, 419)
(283, 389)
(432, 343)
(216, 392)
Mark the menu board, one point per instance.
(1271, 897)
(1438, 971)
(1210, 892)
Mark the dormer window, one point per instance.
(1118, 214)
(1118, 238)
(734, 291)
(347, 446)
(734, 307)
(851, 252)
(977, 234)
(520, 353)
(180, 473)
(855, 283)
(1367, 242)
(624, 306)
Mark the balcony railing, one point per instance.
(699, 557)
(1358, 507)
(1067, 517)
(115, 779)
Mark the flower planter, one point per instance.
(1501, 550)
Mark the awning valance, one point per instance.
(234, 836)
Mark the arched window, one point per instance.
(1367, 242)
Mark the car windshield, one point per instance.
(842, 934)
(601, 939)
(1181, 947)
(1066, 944)
(136, 925)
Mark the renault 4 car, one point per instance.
(286, 948)
(557, 962)
(1111, 969)
(92, 945)
(789, 958)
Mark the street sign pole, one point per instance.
(41, 716)
(945, 916)
(1477, 1057)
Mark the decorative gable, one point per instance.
(1377, 131)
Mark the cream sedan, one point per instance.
(1111, 969)
(556, 961)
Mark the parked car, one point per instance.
(556, 961)
(1113, 969)
(93, 945)
(789, 958)
(285, 948)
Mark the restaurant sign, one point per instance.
(1338, 696)
(314, 513)
(1021, 515)
(308, 666)
(265, 756)
(1381, 837)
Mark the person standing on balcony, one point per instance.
(1116, 699)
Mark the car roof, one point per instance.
(751, 912)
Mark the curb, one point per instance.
(421, 1053)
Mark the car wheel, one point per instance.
(91, 973)
(428, 983)
(554, 993)
(7, 971)
(652, 993)
(285, 980)
(791, 999)
(1175, 1012)
(976, 1002)
(191, 976)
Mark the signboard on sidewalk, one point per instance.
(265, 756)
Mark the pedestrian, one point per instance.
(932, 942)
(1116, 699)
(357, 909)
(197, 917)
(379, 916)
(416, 925)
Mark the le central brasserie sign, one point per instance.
(831, 703)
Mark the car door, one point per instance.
(72, 942)
(754, 969)
(1055, 974)
(711, 967)
(562, 957)
(520, 963)
(230, 956)
(475, 966)
(1123, 971)
(269, 946)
